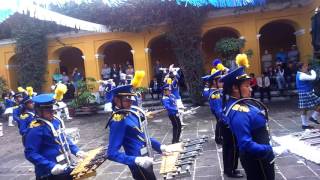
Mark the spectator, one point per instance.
(280, 78)
(154, 87)
(105, 72)
(70, 91)
(266, 60)
(272, 76)
(101, 90)
(57, 76)
(122, 75)
(115, 74)
(289, 75)
(281, 57)
(157, 72)
(253, 84)
(293, 55)
(76, 77)
(129, 73)
(263, 83)
(127, 65)
(65, 78)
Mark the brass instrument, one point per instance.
(87, 167)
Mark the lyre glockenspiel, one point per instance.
(178, 163)
(87, 167)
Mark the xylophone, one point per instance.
(87, 167)
(178, 163)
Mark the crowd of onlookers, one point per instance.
(279, 72)
(121, 74)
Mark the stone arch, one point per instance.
(275, 36)
(13, 73)
(70, 58)
(116, 52)
(209, 40)
(160, 48)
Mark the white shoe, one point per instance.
(183, 124)
(69, 118)
(11, 125)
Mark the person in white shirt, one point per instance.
(263, 83)
(266, 60)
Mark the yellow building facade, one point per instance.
(263, 29)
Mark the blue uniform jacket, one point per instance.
(206, 92)
(16, 113)
(108, 96)
(215, 103)
(24, 122)
(243, 121)
(175, 87)
(42, 147)
(169, 103)
(9, 103)
(125, 131)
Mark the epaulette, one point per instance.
(240, 108)
(34, 124)
(15, 107)
(24, 116)
(117, 117)
(215, 96)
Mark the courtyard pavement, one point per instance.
(284, 119)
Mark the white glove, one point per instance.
(81, 154)
(168, 149)
(175, 73)
(165, 148)
(279, 150)
(171, 68)
(58, 169)
(144, 162)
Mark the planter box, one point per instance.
(86, 110)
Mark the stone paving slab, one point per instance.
(285, 118)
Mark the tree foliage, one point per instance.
(31, 49)
(183, 23)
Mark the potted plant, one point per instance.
(228, 48)
(84, 101)
(142, 91)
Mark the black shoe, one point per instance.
(313, 120)
(307, 127)
(236, 171)
(234, 175)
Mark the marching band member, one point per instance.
(249, 125)
(223, 134)
(18, 97)
(175, 77)
(27, 115)
(108, 85)
(307, 98)
(170, 104)
(9, 105)
(46, 145)
(125, 130)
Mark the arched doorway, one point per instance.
(161, 49)
(13, 73)
(71, 58)
(209, 41)
(117, 52)
(275, 37)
